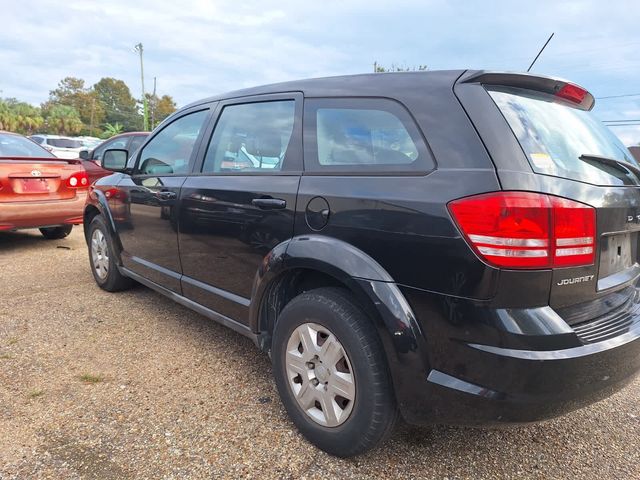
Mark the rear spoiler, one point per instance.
(70, 161)
(571, 92)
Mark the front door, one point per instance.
(149, 230)
(241, 204)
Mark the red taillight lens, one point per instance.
(573, 93)
(78, 180)
(527, 230)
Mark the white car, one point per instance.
(61, 147)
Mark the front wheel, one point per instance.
(102, 258)
(56, 233)
(331, 373)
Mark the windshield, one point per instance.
(64, 143)
(17, 146)
(554, 135)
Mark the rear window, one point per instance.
(554, 135)
(64, 143)
(16, 146)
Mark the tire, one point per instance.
(102, 258)
(56, 233)
(356, 425)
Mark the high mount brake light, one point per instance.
(527, 230)
(78, 180)
(572, 92)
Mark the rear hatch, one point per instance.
(555, 145)
(40, 179)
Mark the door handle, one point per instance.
(269, 203)
(166, 195)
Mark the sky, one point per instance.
(198, 48)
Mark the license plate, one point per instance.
(34, 185)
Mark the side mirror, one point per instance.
(115, 159)
(84, 155)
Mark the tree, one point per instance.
(72, 92)
(19, 117)
(111, 130)
(398, 68)
(120, 106)
(62, 120)
(160, 108)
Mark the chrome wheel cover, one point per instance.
(100, 254)
(319, 374)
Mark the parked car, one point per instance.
(89, 142)
(39, 190)
(635, 151)
(61, 147)
(130, 141)
(459, 246)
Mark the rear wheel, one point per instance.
(331, 373)
(102, 258)
(56, 233)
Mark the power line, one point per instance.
(619, 96)
(623, 124)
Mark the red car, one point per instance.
(39, 190)
(129, 141)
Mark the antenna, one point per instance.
(541, 50)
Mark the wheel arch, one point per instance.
(99, 205)
(314, 261)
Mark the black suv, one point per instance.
(453, 246)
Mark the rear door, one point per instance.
(149, 233)
(543, 137)
(240, 203)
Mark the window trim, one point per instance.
(312, 165)
(196, 148)
(292, 162)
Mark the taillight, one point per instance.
(572, 92)
(78, 180)
(527, 230)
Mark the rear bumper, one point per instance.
(17, 215)
(501, 376)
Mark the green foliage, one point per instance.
(111, 130)
(159, 108)
(105, 109)
(62, 119)
(72, 92)
(398, 68)
(19, 117)
(119, 104)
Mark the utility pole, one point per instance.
(93, 106)
(138, 48)
(154, 105)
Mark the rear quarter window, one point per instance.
(362, 136)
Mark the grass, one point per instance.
(36, 393)
(12, 341)
(5, 356)
(89, 378)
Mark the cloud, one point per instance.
(198, 48)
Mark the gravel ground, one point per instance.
(131, 385)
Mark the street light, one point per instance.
(138, 48)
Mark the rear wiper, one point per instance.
(620, 165)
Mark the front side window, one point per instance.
(561, 140)
(252, 137)
(362, 135)
(169, 152)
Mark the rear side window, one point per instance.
(555, 135)
(64, 143)
(251, 137)
(361, 136)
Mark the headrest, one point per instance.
(265, 143)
